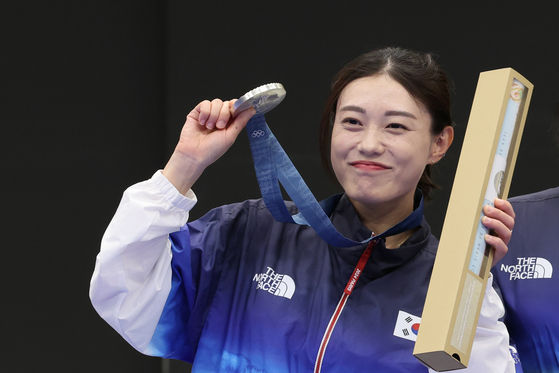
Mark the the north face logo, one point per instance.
(275, 283)
(529, 268)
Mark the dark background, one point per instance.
(93, 95)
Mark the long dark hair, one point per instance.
(417, 72)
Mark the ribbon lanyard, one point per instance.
(359, 267)
(341, 304)
(272, 164)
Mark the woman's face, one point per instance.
(381, 142)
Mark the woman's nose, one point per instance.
(372, 142)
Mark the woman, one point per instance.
(236, 291)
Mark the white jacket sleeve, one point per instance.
(132, 276)
(490, 351)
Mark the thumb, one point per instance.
(240, 122)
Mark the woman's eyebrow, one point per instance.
(358, 109)
(390, 113)
(401, 113)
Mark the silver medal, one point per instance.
(263, 99)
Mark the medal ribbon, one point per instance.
(272, 164)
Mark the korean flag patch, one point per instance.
(407, 326)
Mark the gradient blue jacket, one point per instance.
(236, 291)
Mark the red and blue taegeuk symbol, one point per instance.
(415, 328)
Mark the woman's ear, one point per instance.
(441, 144)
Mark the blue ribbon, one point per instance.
(272, 165)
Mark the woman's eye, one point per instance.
(351, 121)
(396, 126)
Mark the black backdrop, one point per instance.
(94, 93)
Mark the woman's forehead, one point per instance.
(378, 92)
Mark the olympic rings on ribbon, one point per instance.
(258, 133)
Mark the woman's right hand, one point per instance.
(208, 132)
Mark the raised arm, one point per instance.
(132, 276)
(207, 134)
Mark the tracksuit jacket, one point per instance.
(528, 279)
(236, 291)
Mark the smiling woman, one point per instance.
(382, 141)
(417, 73)
(237, 291)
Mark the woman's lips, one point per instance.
(369, 166)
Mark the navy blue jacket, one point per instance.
(528, 284)
(229, 265)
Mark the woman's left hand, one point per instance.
(501, 220)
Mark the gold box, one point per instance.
(463, 261)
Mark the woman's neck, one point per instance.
(380, 217)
